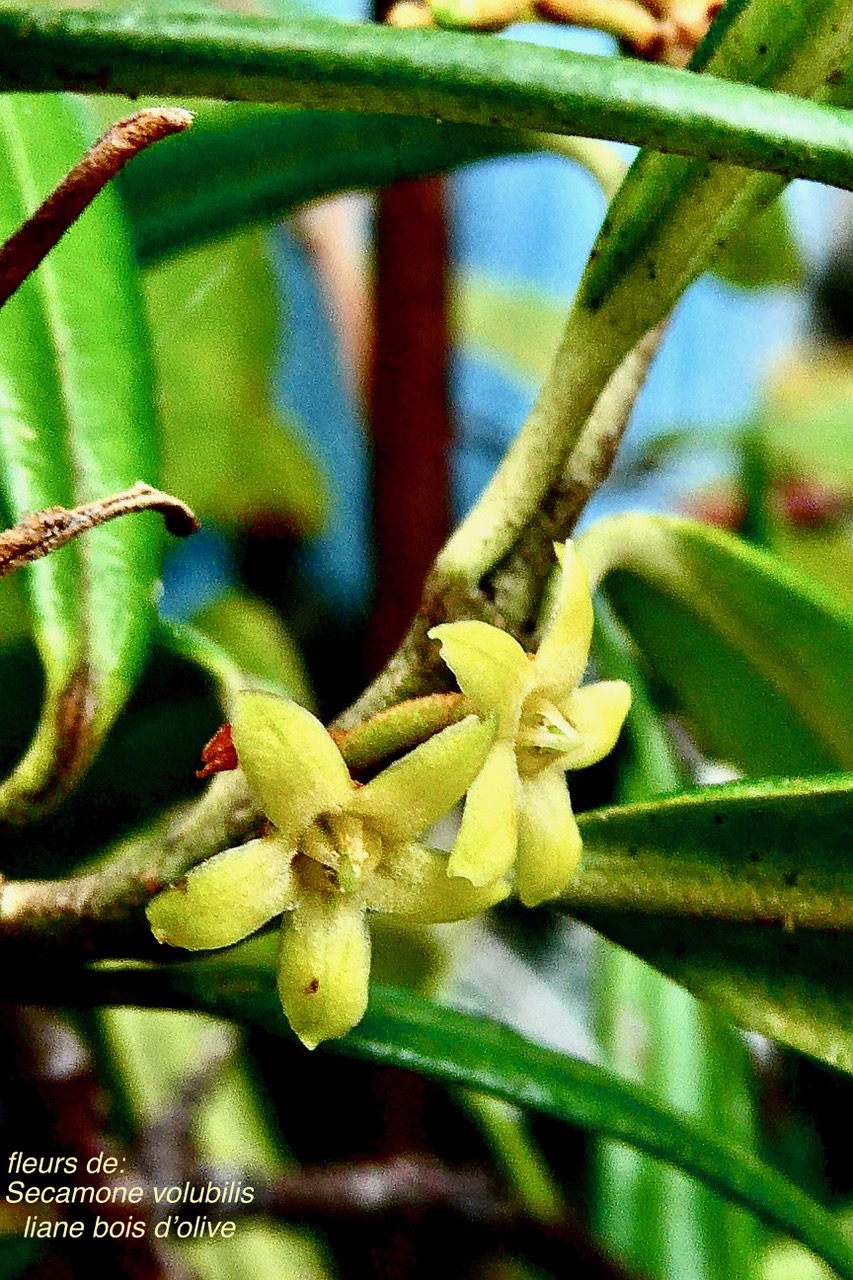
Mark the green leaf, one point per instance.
(794, 988)
(457, 77)
(652, 767)
(241, 644)
(14, 613)
(801, 439)
(805, 424)
(214, 319)
(688, 1058)
(251, 164)
(774, 853)
(76, 423)
(798, 54)
(758, 658)
(658, 1035)
(673, 215)
(404, 1030)
(742, 893)
(254, 636)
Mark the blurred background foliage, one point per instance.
(259, 305)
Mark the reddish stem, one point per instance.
(409, 410)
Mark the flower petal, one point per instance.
(290, 761)
(489, 665)
(324, 966)
(564, 649)
(414, 791)
(484, 850)
(549, 843)
(415, 885)
(598, 712)
(225, 898)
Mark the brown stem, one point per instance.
(45, 531)
(97, 912)
(30, 244)
(416, 669)
(409, 410)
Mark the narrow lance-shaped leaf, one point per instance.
(242, 643)
(795, 988)
(214, 379)
(76, 423)
(760, 850)
(757, 657)
(674, 215)
(249, 164)
(655, 1033)
(404, 1030)
(771, 853)
(743, 894)
(458, 77)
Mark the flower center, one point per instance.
(544, 735)
(341, 850)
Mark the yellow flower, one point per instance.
(335, 851)
(518, 810)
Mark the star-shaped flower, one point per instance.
(518, 810)
(335, 850)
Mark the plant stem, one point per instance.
(409, 408)
(98, 911)
(507, 1132)
(517, 582)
